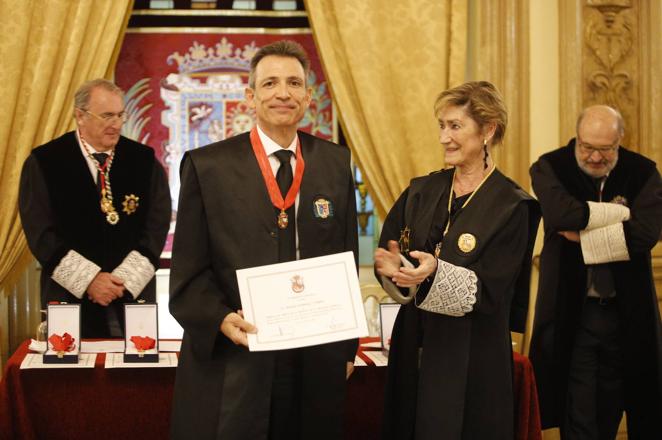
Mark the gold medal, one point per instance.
(130, 204)
(283, 220)
(112, 217)
(466, 242)
(106, 205)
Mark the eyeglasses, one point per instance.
(588, 149)
(108, 117)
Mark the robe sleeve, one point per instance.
(393, 224)
(394, 221)
(67, 267)
(642, 231)
(560, 210)
(500, 263)
(196, 300)
(139, 266)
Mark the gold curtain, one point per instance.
(48, 48)
(386, 65)
(502, 56)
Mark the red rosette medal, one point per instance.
(142, 344)
(62, 344)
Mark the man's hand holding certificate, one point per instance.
(301, 303)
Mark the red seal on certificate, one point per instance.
(143, 343)
(62, 344)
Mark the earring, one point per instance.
(486, 155)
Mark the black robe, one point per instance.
(226, 222)
(563, 190)
(60, 211)
(464, 386)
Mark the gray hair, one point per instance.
(280, 48)
(82, 96)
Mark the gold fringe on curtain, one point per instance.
(47, 48)
(386, 65)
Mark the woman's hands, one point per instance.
(388, 264)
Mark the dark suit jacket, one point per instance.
(226, 222)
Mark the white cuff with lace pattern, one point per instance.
(75, 273)
(136, 271)
(453, 291)
(604, 245)
(603, 214)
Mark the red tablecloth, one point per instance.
(368, 390)
(527, 422)
(98, 404)
(84, 403)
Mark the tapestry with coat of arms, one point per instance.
(186, 90)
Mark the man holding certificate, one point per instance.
(269, 196)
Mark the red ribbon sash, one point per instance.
(270, 180)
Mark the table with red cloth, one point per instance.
(84, 403)
(366, 394)
(134, 403)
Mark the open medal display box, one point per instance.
(63, 334)
(387, 314)
(141, 332)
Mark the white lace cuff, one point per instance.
(136, 271)
(604, 245)
(453, 291)
(604, 214)
(75, 273)
(394, 291)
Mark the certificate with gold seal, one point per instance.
(302, 303)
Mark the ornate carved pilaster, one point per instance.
(610, 54)
(650, 49)
(611, 65)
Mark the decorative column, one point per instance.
(611, 65)
(610, 54)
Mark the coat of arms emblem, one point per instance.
(323, 208)
(297, 284)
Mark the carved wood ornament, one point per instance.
(611, 65)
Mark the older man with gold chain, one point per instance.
(95, 207)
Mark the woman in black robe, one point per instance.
(455, 250)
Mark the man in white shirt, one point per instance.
(258, 198)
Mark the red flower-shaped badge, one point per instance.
(62, 344)
(143, 343)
